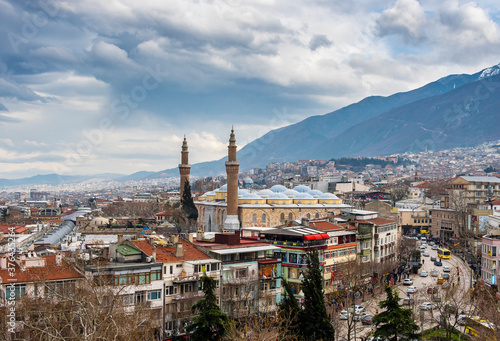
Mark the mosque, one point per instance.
(230, 208)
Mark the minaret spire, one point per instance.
(232, 222)
(184, 167)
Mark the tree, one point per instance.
(314, 321)
(187, 204)
(211, 323)
(399, 192)
(288, 313)
(395, 322)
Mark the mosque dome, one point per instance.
(248, 181)
(302, 189)
(250, 196)
(278, 196)
(278, 188)
(290, 192)
(303, 196)
(265, 192)
(327, 196)
(315, 193)
(209, 193)
(223, 188)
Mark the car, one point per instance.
(359, 317)
(433, 258)
(446, 276)
(450, 309)
(423, 246)
(344, 315)
(436, 298)
(407, 281)
(434, 273)
(434, 247)
(357, 309)
(424, 273)
(431, 290)
(426, 254)
(427, 306)
(438, 263)
(446, 268)
(408, 301)
(412, 290)
(376, 338)
(431, 243)
(440, 280)
(367, 319)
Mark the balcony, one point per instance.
(364, 236)
(183, 278)
(270, 292)
(188, 295)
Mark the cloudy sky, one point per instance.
(94, 86)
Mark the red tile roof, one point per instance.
(167, 254)
(381, 221)
(50, 272)
(325, 226)
(17, 229)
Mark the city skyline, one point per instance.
(94, 87)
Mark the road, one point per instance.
(425, 319)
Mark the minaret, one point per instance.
(232, 222)
(184, 167)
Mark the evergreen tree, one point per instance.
(315, 323)
(211, 323)
(394, 323)
(288, 313)
(187, 203)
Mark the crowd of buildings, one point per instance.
(247, 238)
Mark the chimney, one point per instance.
(174, 239)
(329, 217)
(154, 253)
(58, 259)
(190, 237)
(305, 221)
(200, 234)
(179, 250)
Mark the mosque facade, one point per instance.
(230, 208)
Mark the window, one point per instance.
(154, 295)
(254, 218)
(142, 278)
(327, 268)
(282, 216)
(263, 218)
(334, 254)
(341, 253)
(140, 297)
(327, 254)
(155, 275)
(169, 290)
(353, 250)
(16, 290)
(308, 215)
(290, 216)
(317, 215)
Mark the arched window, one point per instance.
(254, 218)
(317, 216)
(282, 216)
(290, 216)
(308, 215)
(264, 218)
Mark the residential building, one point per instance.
(472, 190)
(490, 257)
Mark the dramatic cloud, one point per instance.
(112, 86)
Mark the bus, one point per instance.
(481, 329)
(443, 253)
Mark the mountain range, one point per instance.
(454, 111)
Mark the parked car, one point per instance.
(433, 258)
(408, 301)
(450, 308)
(427, 306)
(446, 276)
(436, 298)
(407, 281)
(357, 309)
(367, 319)
(434, 247)
(434, 273)
(344, 315)
(412, 290)
(424, 273)
(431, 290)
(438, 263)
(446, 268)
(440, 280)
(426, 254)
